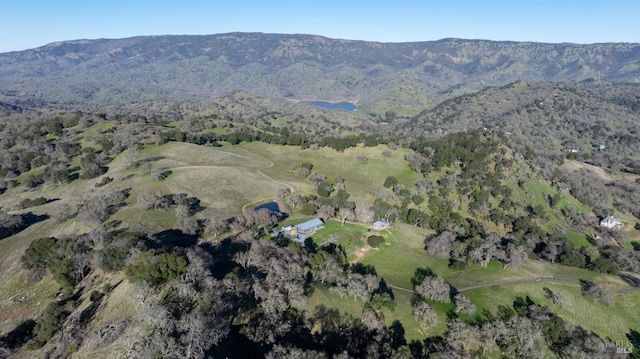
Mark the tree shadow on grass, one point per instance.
(224, 252)
(150, 159)
(172, 238)
(634, 338)
(26, 220)
(91, 310)
(19, 336)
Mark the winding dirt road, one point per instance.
(270, 164)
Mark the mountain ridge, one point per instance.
(376, 75)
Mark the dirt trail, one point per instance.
(18, 314)
(515, 282)
(4, 258)
(270, 164)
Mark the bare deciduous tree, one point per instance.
(441, 244)
(463, 304)
(326, 211)
(425, 315)
(283, 192)
(364, 211)
(347, 214)
(489, 249)
(516, 255)
(598, 293)
(434, 288)
(556, 297)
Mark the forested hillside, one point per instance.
(548, 116)
(403, 77)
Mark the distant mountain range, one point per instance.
(408, 76)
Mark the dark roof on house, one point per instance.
(308, 225)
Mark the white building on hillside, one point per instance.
(610, 222)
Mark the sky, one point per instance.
(26, 24)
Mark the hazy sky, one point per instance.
(32, 23)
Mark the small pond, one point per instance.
(272, 206)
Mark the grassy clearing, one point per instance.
(359, 177)
(352, 236)
(613, 322)
(401, 310)
(397, 262)
(224, 179)
(603, 173)
(13, 284)
(579, 240)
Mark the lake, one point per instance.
(344, 106)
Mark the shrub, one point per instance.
(309, 209)
(419, 275)
(48, 325)
(604, 265)
(95, 296)
(115, 253)
(26, 203)
(40, 253)
(65, 274)
(375, 241)
(572, 258)
(156, 269)
(557, 298)
(597, 293)
(390, 182)
(33, 181)
(105, 181)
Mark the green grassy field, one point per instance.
(224, 179)
(613, 322)
(359, 177)
(13, 285)
(397, 261)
